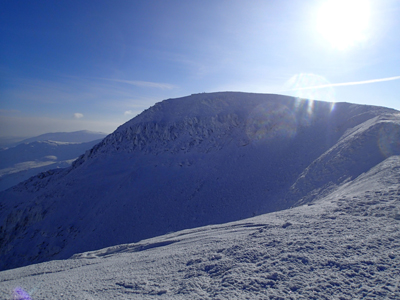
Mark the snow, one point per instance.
(357, 151)
(343, 246)
(28, 159)
(82, 136)
(195, 161)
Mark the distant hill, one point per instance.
(10, 141)
(193, 161)
(42, 153)
(81, 136)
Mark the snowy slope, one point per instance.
(26, 160)
(344, 246)
(358, 150)
(193, 161)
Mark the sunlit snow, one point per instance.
(216, 196)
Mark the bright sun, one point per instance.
(344, 23)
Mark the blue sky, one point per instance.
(72, 65)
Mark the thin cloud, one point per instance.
(347, 83)
(158, 85)
(78, 115)
(128, 113)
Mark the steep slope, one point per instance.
(26, 160)
(345, 246)
(184, 163)
(359, 149)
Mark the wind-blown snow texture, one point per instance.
(343, 246)
(189, 162)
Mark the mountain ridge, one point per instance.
(183, 163)
(80, 136)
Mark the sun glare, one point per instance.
(344, 23)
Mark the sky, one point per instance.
(93, 65)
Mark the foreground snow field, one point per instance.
(343, 246)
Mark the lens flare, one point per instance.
(389, 139)
(310, 86)
(270, 121)
(304, 109)
(20, 294)
(307, 87)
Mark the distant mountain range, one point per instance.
(193, 161)
(80, 136)
(38, 154)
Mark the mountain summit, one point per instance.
(192, 161)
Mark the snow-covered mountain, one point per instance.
(81, 136)
(343, 246)
(193, 161)
(25, 160)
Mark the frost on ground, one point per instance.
(343, 246)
